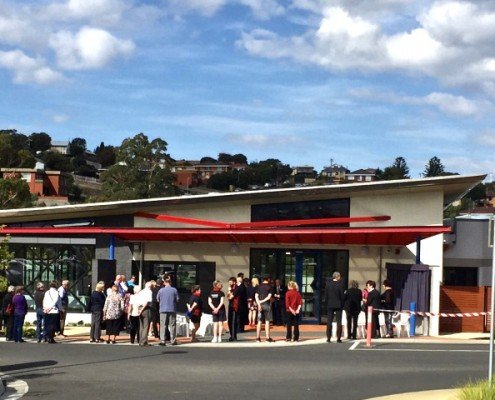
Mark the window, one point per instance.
(301, 210)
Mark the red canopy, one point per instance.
(380, 236)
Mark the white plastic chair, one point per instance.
(206, 325)
(401, 323)
(381, 322)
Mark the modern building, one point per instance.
(374, 230)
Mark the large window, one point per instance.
(45, 263)
(301, 210)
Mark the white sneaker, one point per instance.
(219, 339)
(214, 340)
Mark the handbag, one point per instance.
(9, 309)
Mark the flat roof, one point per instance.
(453, 187)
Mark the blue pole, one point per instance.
(111, 248)
(412, 319)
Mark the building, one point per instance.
(335, 174)
(373, 230)
(61, 147)
(44, 184)
(362, 175)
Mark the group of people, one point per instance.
(51, 309)
(354, 301)
(153, 309)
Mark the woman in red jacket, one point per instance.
(293, 304)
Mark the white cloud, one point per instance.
(27, 69)
(457, 106)
(264, 9)
(450, 41)
(101, 12)
(205, 7)
(486, 138)
(60, 118)
(90, 48)
(261, 140)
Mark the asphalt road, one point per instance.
(322, 371)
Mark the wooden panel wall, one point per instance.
(461, 299)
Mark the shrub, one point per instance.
(27, 323)
(29, 333)
(80, 323)
(478, 390)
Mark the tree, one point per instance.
(26, 159)
(224, 158)
(5, 257)
(39, 142)
(77, 147)
(222, 181)
(239, 159)
(398, 170)
(105, 155)
(143, 171)
(57, 162)
(433, 168)
(14, 193)
(207, 160)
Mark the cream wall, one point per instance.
(222, 212)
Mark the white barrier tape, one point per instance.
(429, 314)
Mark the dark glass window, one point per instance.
(301, 210)
(460, 276)
(45, 263)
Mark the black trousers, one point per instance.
(337, 313)
(292, 321)
(134, 328)
(352, 323)
(233, 318)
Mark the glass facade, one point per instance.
(309, 268)
(35, 263)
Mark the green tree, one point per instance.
(434, 168)
(207, 160)
(398, 170)
(105, 155)
(14, 193)
(39, 142)
(5, 257)
(143, 171)
(223, 181)
(77, 147)
(25, 159)
(225, 158)
(8, 154)
(57, 162)
(239, 159)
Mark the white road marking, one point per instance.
(354, 345)
(14, 388)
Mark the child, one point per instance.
(216, 303)
(293, 304)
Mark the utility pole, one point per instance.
(331, 171)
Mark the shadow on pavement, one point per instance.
(35, 365)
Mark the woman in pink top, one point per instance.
(293, 304)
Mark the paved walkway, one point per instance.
(447, 394)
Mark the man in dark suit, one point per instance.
(374, 300)
(334, 297)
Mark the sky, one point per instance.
(310, 82)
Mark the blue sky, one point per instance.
(304, 81)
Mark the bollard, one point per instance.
(412, 319)
(369, 327)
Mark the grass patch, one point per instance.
(478, 390)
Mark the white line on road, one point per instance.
(426, 350)
(354, 345)
(14, 388)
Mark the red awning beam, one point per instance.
(378, 236)
(261, 224)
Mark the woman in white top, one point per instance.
(52, 304)
(133, 312)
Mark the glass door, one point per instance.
(307, 277)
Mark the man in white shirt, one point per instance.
(145, 297)
(52, 304)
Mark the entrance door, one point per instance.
(308, 277)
